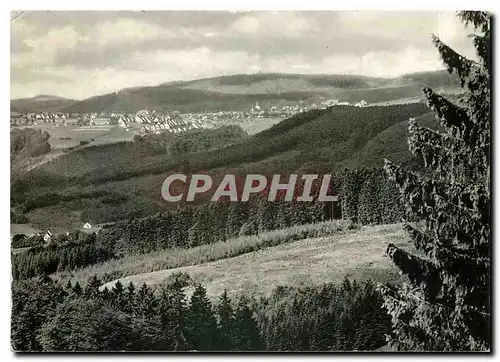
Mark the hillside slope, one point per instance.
(358, 255)
(390, 144)
(125, 179)
(40, 103)
(241, 91)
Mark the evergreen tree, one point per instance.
(92, 287)
(170, 322)
(145, 302)
(175, 317)
(246, 330)
(118, 296)
(352, 181)
(238, 214)
(226, 323)
(266, 214)
(200, 323)
(370, 199)
(77, 289)
(446, 306)
(251, 225)
(33, 303)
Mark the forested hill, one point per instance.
(105, 180)
(241, 91)
(40, 103)
(318, 140)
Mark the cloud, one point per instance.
(247, 25)
(79, 54)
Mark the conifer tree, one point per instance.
(169, 321)
(145, 302)
(201, 326)
(446, 305)
(238, 214)
(176, 313)
(118, 296)
(77, 289)
(226, 322)
(92, 287)
(266, 214)
(349, 192)
(246, 330)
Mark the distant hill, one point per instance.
(40, 103)
(241, 91)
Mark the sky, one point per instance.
(79, 54)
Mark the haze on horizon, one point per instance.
(79, 54)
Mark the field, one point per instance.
(253, 125)
(70, 136)
(358, 254)
(100, 134)
(22, 229)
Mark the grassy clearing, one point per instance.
(358, 254)
(174, 258)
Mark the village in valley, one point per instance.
(67, 129)
(150, 121)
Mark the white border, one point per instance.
(184, 5)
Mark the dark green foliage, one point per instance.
(195, 141)
(351, 184)
(66, 252)
(200, 322)
(326, 318)
(446, 305)
(378, 201)
(366, 196)
(23, 241)
(33, 303)
(129, 174)
(28, 142)
(48, 317)
(245, 329)
(226, 323)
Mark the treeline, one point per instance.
(366, 197)
(182, 228)
(24, 241)
(49, 317)
(370, 197)
(68, 253)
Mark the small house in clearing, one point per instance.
(47, 236)
(87, 226)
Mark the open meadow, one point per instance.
(357, 254)
(70, 136)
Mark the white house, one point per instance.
(363, 103)
(122, 123)
(47, 236)
(87, 226)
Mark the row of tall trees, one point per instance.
(49, 317)
(366, 196)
